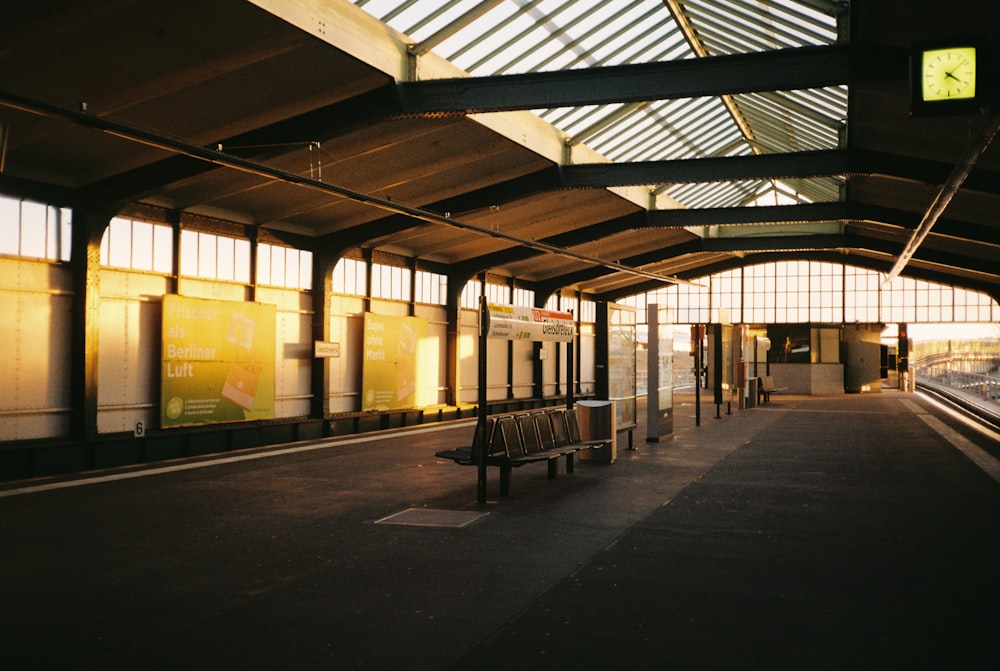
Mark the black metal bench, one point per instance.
(516, 439)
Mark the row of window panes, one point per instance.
(524, 298)
(471, 292)
(390, 282)
(35, 230)
(284, 267)
(350, 277)
(815, 292)
(498, 293)
(214, 257)
(138, 245)
(768, 293)
(432, 288)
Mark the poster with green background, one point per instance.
(391, 362)
(218, 361)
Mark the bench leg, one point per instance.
(569, 462)
(553, 468)
(504, 480)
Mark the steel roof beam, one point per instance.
(820, 163)
(776, 243)
(779, 70)
(734, 216)
(815, 212)
(793, 165)
(745, 216)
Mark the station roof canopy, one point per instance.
(604, 147)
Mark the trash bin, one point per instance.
(752, 392)
(597, 422)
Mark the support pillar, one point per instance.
(88, 229)
(322, 283)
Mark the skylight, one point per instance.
(502, 37)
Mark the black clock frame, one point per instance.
(985, 79)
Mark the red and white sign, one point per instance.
(512, 322)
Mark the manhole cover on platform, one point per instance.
(430, 517)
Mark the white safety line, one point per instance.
(251, 456)
(977, 455)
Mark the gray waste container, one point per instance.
(597, 422)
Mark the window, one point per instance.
(350, 277)
(692, 302)
(827, 304)
(639, 303)
(569, 305)
(524, 298)
(35, 230)
(391, 282)
(215, 257)
(432, 288)
(797, 292)
(497, 293)
(727, 295)
(861, 295)
(138, 245)
(470, 294)
(284, 267)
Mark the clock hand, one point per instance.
(948, 74)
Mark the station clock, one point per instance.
(948, 78)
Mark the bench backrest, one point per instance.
(768, 383)
(573, 426)
(560, 433)
(529, 434)
(510, 437)
(543, 425)
(483, 436)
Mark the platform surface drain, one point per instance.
(431, 517)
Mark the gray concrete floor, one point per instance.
(809, 533)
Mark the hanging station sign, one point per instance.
(512, 322)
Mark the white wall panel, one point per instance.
(128, 358)
(293, 348)
(346, 328)
(36, 304)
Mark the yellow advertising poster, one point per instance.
(218, 361)
(389, 374)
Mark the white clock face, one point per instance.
(949, 74)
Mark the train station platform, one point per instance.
(848, 532)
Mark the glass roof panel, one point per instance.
(764, 24)
(497, 37)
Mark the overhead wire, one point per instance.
(218, 157)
